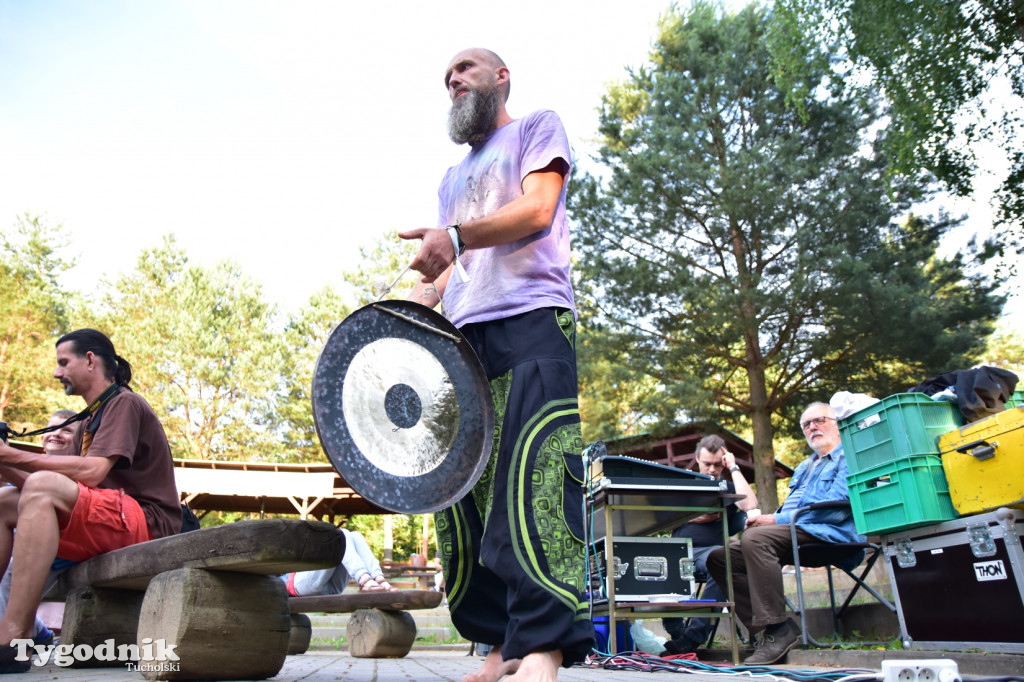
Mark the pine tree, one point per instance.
(748, 257)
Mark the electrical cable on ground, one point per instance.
(688, 663)
(643, 662)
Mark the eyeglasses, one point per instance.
(817, 421)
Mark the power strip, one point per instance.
(922, 670)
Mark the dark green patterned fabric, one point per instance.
(567, 323)
(564, 550)
(512, 549)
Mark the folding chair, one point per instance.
(846, 556)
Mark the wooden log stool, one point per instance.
(380, 626)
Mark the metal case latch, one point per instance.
(905, 553)
(687, 569)
(980, 538)
(650, 568)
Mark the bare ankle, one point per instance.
(494, 668)
(539, 666)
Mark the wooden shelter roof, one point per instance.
(677, 448)
(310, 490)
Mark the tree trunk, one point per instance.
(763, 454)
(764, 461)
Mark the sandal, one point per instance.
(384, 585)
(367, 584)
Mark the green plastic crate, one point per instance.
(907, 424)
(1015, 400)
(907, 493)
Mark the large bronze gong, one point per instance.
(402, 407)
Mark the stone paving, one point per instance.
(452, 663)
(418, 666)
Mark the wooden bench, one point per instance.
(380, 626)
(422, 576)
(213, 593)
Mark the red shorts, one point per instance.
(103, 520)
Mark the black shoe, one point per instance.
(773, 646)
(9, 664)
(677, 647)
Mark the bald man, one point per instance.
(512, 550)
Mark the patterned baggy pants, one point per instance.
(512, 549)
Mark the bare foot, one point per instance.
(494, 668)
(10, 632)
(540, 666)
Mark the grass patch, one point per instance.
(338, 643)
(434, 638)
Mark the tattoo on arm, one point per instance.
(425, 294)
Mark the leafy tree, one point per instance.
(407, 530)
(34, 312)
(746, 256)
(1005, 348)
(383, 265)
(935, 61)
(206, 351)
(611, 391)
(615, 399)
(305, 336)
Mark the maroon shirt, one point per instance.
(129, 430)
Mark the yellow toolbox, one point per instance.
(984, 462)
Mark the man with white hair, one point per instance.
(766, 545)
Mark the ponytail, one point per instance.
(122, 371)
(96, 342)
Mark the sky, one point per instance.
(280, 135)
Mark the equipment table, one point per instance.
(637, 508)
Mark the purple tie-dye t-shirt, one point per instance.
(523, 275)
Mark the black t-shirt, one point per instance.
(710, 534)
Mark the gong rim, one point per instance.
(376, 335)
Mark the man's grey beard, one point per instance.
(472, 116)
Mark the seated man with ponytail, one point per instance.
(119, 491)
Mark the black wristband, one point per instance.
(734, 468)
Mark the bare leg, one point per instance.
(494, 668)
(540, 666)
(45, 505)
(8, 521)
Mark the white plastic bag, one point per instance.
(645, 640)
(845, 403)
